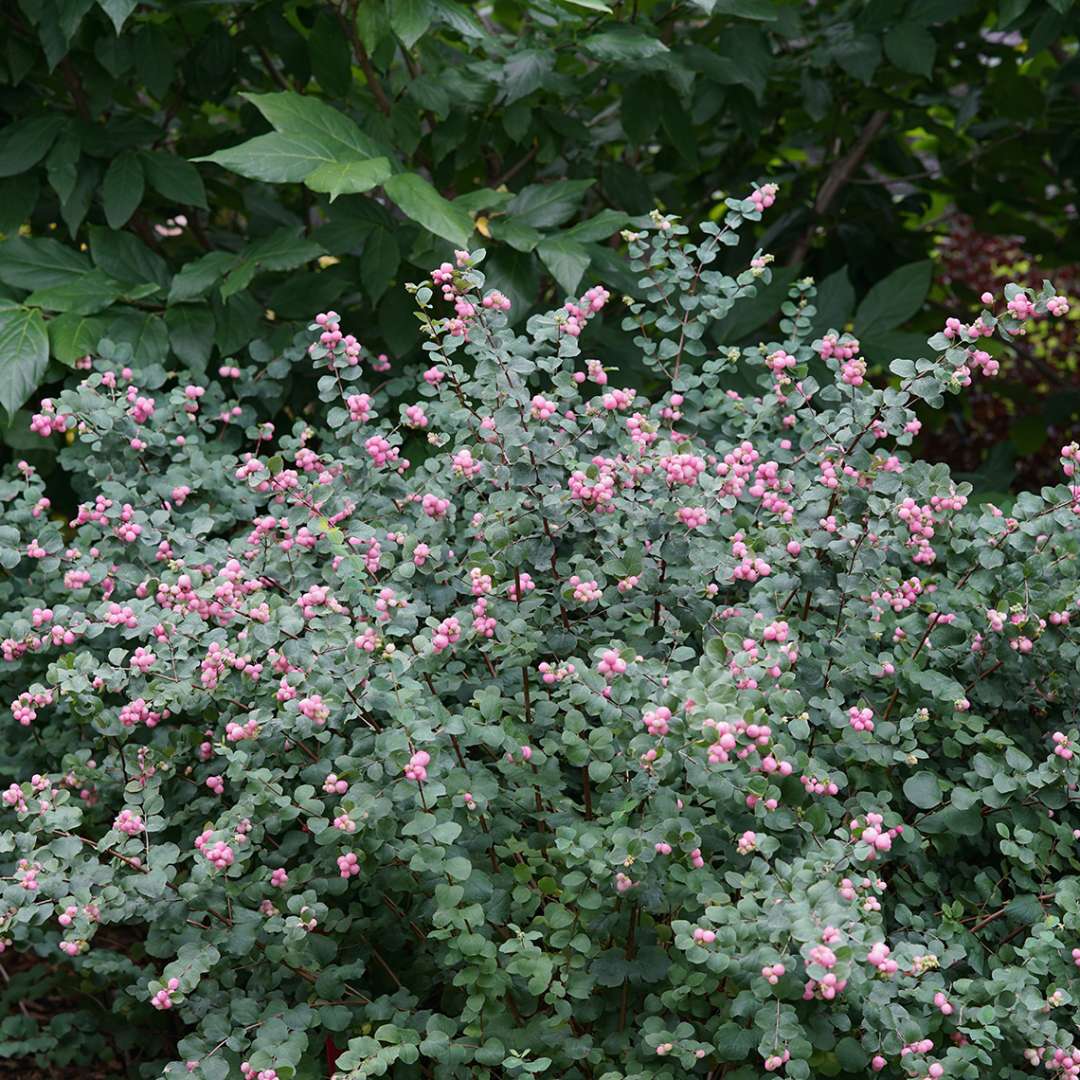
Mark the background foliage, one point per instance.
(320, 152)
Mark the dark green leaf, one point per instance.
(543, 206)
(567, 261)
(73, 336)
(62, 165)
(24, 143)
(85, 295)
(197, 278)
(39, 262)
(24, 354)
(600, 227)
(191, 333)
(126, 257)
(410, 19)
(524, 72)
(835, 302)
(18, 197)
(379, 263)
(418, 200)
(144, 332)
(911, 48)
(174, 178)
(894, 299)
(123, 188)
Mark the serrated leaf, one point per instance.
(524, 72)
(418, 200)
(348, 177)
(24, 354)
(122, 190)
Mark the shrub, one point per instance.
(191, 177)
(533, 728)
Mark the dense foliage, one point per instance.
(532, 128)
(532, 727)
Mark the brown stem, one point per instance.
(838, 176)
(363, 60)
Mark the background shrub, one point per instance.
(532, 129)
(501, 721)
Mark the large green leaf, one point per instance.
(18, 197)
(418, 200)
(285, 249)
(599, 227)
(118, 11)
(566, 259)
(348, 177)
(144, 331)
(24, 143)
(174, 178)
(39, 262)
(197, 278)
(275, 158)
(191, 333)
(380, 262)
(543, 206)
(894, 299)
(62, 165)
(126, 258)
(410, 19)
(302, 114)
(24, 354)
(122, 189)
(623, 43)
(911, 48)
(73, 336)
(87, 294)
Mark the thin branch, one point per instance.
(839, 175)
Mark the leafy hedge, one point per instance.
(168, 172)
(531, 727)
